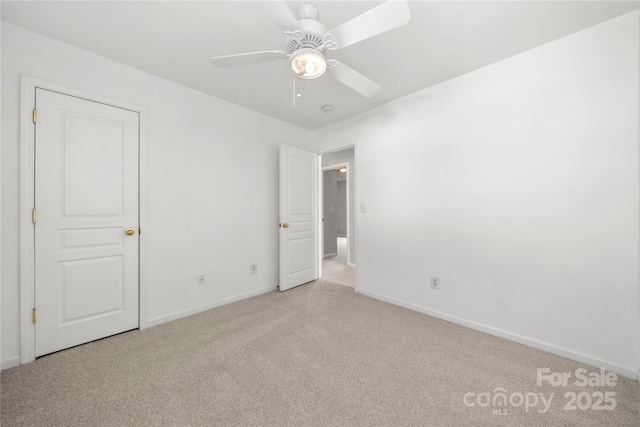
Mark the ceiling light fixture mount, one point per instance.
(327, 108)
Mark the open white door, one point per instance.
(298, 217)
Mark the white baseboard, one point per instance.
(578, 356)
(164, 319)
(350, 264)
(330, 255)
(11, 362)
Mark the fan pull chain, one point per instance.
(297, 90)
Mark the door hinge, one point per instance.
(33, 315)
(33, 215)
(35, 116)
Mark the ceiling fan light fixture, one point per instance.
(307, 63)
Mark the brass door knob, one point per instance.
(285, 225)
(129, 231)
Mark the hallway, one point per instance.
(336, 270)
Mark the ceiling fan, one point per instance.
(308, 41)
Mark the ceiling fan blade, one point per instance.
(354, 80)
(247, 58)
(281, 14)
(387, 16)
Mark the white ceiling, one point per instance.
(175, 40)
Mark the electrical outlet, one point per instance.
(202, 279)
(435, 282)
(253, 269)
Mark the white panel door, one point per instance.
(86, 198)
(298, 217)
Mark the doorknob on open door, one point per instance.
(129, 231)
(284, 225)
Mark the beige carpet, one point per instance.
(336, 270)
(317, 355)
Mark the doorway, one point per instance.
(338, 256)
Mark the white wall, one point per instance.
(213, 181)
(516, 185)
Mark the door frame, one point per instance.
(353, 236)
(28, 85)
(328, 168)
